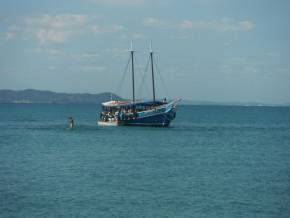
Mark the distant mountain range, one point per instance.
(188, 102)
(37, 96)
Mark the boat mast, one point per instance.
(152, 70)
(132, 68)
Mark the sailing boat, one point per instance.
(138, 113)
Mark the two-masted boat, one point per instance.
(138, 113)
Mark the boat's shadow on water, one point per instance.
(226, 127)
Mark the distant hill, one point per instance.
(37, 96)
(213, 103)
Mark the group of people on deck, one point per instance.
(115, 114)
(118, 115)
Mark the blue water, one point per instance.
(212, 162)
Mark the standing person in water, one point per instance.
(71, 123)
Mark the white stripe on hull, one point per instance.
(101, 123)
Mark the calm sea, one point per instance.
(212, 162)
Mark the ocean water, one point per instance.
(213, 161)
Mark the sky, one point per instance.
(204, 50)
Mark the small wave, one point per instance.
(238, 127)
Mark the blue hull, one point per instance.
(158, 119)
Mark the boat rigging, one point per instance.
(138, 113)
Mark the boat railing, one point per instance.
(131, 115)
(162, 108)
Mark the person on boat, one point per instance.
(117, 116)
(164, 100)
(71, 123)
(122, 115)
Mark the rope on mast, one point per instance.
(118, 90)
(160, 75)
(143, 80)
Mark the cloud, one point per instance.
(138, 36)
(156, 22)
(7, 35)
(61, 53)
(222, 25)
(10, 33)
(91, 69)
(118, 2)
(259, 65)
(88, 55)
(52, 68)
(186, 24)
(46, 36)
(225, 25)
(58, 28)
(115, 51)
(58, 21)
(106, 29)
(48, 51)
